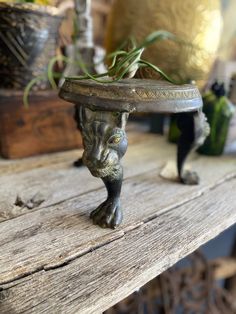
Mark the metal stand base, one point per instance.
(102, 111)
(105, 143)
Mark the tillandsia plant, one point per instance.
(125, 61)
(123, 64)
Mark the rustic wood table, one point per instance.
(53, 260)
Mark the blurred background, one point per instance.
(40, 40)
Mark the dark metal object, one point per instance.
(194, 129)
(28, 39)
(157, 123)
(101, 113)
(105, 143)
(133, 95)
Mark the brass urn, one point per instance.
(196, 23)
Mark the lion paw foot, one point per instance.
(190, 178)
(108, 214)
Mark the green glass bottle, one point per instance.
(219, 111)
(174, 132)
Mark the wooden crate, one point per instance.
(46, 126)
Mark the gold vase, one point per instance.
(197, 23)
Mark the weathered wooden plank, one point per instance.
(55, 235)
(60, 181)
(54, 179)
(26, 164)
(94, 282)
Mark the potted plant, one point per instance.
(28, 39)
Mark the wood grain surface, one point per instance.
(46, 126)
(53, 260)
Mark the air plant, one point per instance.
(123, 64)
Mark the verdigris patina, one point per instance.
(102, 111)
(105, 143)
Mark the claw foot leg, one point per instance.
(105, 143)
(108, 214)
(194, 130)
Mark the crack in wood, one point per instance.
(115, 236)
(34, 205)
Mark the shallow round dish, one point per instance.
(132, 95)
